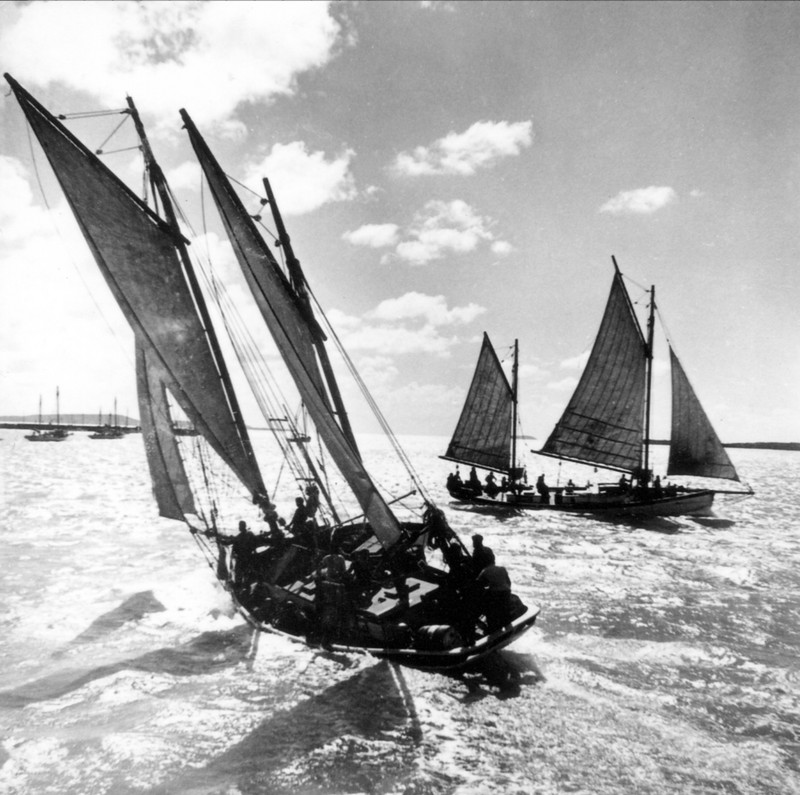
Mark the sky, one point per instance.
(444, 169)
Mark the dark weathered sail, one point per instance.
(604, 421)
(483, 434)
(170, 484)
(695, 448)
(136, 252)
(291, 327)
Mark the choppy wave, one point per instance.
(665, 658)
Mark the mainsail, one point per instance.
(695, 448)
(292, 328)
(170, 484)
(136, 252)
(483, 434)
(604, 421)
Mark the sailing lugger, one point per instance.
(606, 424)
(414, 596)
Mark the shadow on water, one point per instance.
(134, 608)
(654, 524)
(502, 674)
(715, 522)
(359, 735)
(207, 652)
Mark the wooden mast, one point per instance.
(298, 282)
(649, 370)
(159, 183)
(514, 382)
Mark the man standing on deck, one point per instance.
(481, 556)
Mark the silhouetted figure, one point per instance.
(481, 555)
(243, 547)
(658, 491)
(312, 499)
(543, 489)
(491, 485)
(474, 481)
(496, 586)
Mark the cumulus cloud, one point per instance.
(432, 308)
(564, 385)
(373, 235)
(642, 201)
(207, 57)
(410, 323)
(442, 228)
(575, 362)
(480, 146)
(303, 180)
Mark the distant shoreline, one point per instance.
(124, 420)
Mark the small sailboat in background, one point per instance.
(49, 433)
(109, 430)
(606, 424)
(401, 589)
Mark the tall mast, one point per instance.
(58, 409)
(159, 183)
(514, 382)
(298, 282)
(649, 370)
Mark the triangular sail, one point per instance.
(136, 253)
(170, 484)
(483, 434)
(695, 448)
(290, 326)
(604, 421)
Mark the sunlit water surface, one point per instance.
(665, 658)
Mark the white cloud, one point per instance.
(575, 362)
(207, 57)
(373, 235)
(411, 323)
(642, 201)
(303, 180)
(444, 227)
(480, 146)
(502, 248)
(564, 385)
(186, 175)
(432, 308)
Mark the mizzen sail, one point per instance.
(136, 252)
(604, 421)
(292, 328)
(170, 484)
(483, 434)
(695, 448)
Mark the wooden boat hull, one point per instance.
(454, 660)
(687, 503)
(463, 657)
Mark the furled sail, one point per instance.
(170, 484)
(483, 434)
(291, 328)
(604, 421)
(136, 252)
(695, 448)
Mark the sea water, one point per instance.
(665, 658)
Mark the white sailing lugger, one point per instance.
(606, 424)
(371, 582)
